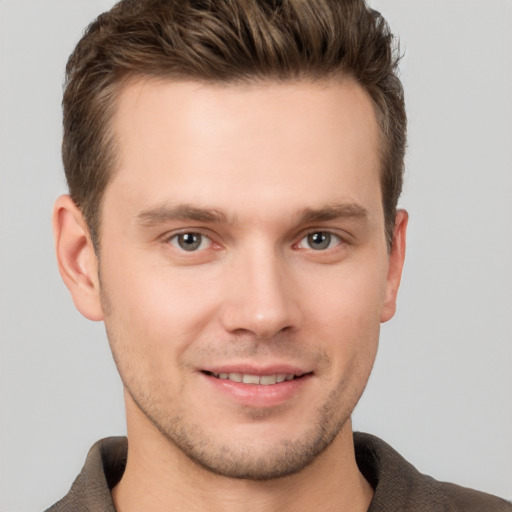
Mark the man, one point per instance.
(234, 170)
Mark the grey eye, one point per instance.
(190, 241)
(319, 240)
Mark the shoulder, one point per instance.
(102, 470)
(399, 486)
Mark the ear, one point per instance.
(77, 261)
(396, 264)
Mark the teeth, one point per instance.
(247, 378)
(250, 379)
(267, 379)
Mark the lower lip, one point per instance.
(257, 395)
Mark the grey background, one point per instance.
(442, 386)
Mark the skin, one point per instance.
(255, 171)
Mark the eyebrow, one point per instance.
(334, 212)
(180, 212)
(165, 213)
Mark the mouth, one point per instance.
(254, 379)
(254, 387)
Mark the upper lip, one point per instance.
(251, 369)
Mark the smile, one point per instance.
(258, 387)
(263, 380)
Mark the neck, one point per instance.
(159, 477)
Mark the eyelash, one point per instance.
(329, 237)
(174, 240)
(328, 240)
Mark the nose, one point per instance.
(261, 299)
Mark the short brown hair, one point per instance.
(224, 41)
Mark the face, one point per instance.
(244, 268)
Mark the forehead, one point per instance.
(283, 141)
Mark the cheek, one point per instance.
(346, 309)
(350, 295)
(156, 300)
(158, 319)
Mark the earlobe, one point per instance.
(396, 263)
(76, 258)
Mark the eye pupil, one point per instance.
(319, 240)
(189, 241)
